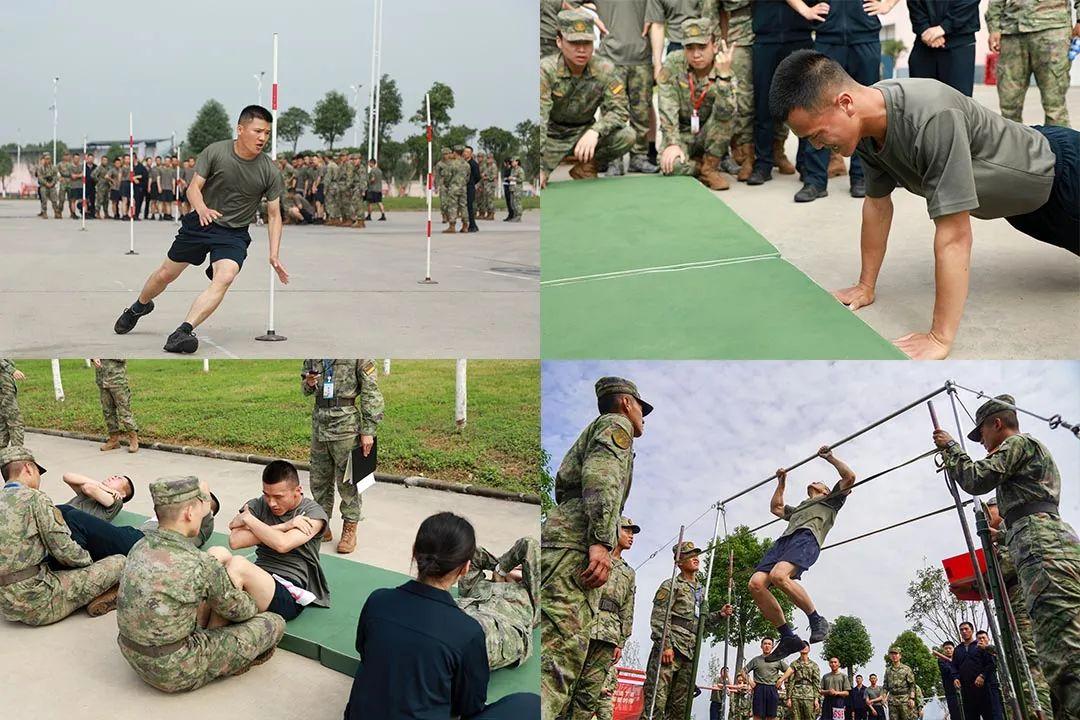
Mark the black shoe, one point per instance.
(858, 188)
(759, 177)
(810, 193)
(129, 317)
(382, 218)
(181, 342)
(819, 630)
(474, 228)
(728, 165)
(787, 646)
(368, 216)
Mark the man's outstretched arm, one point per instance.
(847, 475)
(877, 214)
(776, 505)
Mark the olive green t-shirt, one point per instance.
(90, 506)
(234, 186)
(672, 13)
(817, 517)
(623, 44)
(958, 154)
(765, 672)
(835, 681)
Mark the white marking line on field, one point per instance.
(126, 289)
(699, 265)
(223, 350)
(509, 275)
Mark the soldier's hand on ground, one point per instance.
(922, 346)
(815, 13)
(207, 216)
(617, 655)
(366, 442)
(586, 146)
(18, 374)
(282, 273)
(994, 42)
(855, 297)
(724, 58)
(667, 657)
(596, 574)
(671, 155)
(942, 438)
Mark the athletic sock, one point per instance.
(813, 617)
(186, 327)
(786, 631)
(138, 308)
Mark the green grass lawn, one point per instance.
(256, 406)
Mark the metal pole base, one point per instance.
(271, 336)
(131, 252)
(427, 281)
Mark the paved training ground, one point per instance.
(1023, 303)
(62, 290)
(66, 669)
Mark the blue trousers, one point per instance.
(767, 57)
(954, 66)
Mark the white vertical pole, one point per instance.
(82, 213)
(206, 365)
(131, 183)
(429, 187)
(386, 366)
(460, 395)
(176, 180)
(378, 83)
(270, 334)
(55, 117)
(58, 386)
(371, 90)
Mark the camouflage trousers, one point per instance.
(506, 611)
(567, 613)
(456, 204)
(354, 203)
(333, 203)
(11, 422)
(547, 47)
(674, 686)
(47, 195)
(329, 459)
(1046, 551)
(1044, 53)
(101, 197)
(639, 83)
(742, 77)
(55, 594)
(1027, 642)
(589, 697)
(116, 407)
(899, 710)
(712, 139)
(803, 709)
(443, 204)
(483, 199)
(208, 654)
(560, 142)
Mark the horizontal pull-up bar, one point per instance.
(895, 525)
(840, 442)
(1054, 420)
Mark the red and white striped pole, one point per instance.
(430, 185)
(131, 183)
(83, 173)
(176, 180)
(270, 335)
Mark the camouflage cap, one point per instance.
(895, 649)
(987, 409)
(176, 489)
(611, 385)
(15, 453)
(697, 31)
(686, 550)
(575, 25)
(459, 148)
(625, 522)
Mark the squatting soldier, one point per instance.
(697, 108)
(112, 382)
(102, 187)
(1033, 37)
(166, 581)
(455, 199)
(48, 178)
(574, 84)
(11, 422)
(613, 626)
(33, 531)
(1044, 548)
(803, 679)
(899, 688)
(338, 426)
(591, 487)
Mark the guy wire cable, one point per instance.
(1054, 421)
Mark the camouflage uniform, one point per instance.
(740, 34)
(165, 581)
(591, 487)
(455, 199)
(335, 430)
(611, 629)
(1034, 39)
(715, 115)
(517, 187)
(112, 382)
(439, 179)
(1044, 547)
(899, 683)
(48, 178)
(356, 183)
(32, 530)
(11, 422)
(508, 611)
(483, 197)
(549, 25)
(632, 58)
(332, 190)
(802, 689)
(102, 186)
(1024, 629)
(66, 169)
(288, 175)
(568, 104)
(494, 183)
(674, 683)
(740, 705)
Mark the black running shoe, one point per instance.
(181, 342)
(819, 630)
(129, 317)
(787, 646)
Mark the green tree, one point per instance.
(747, 623)
(456, 135)
(7, 165)
(390, 112)
(547, 501)
(115, 151)
(442, 102)
(291, 125)
(915, 654)
(332, 117)
(849, 643)
(416, 148)
(211, 124)
(935, 611)
(389, 153)
(528, 133)
(498, 142)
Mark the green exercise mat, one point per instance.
(329, 634)
(759, 310)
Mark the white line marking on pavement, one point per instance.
(223, 350)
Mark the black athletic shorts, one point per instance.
(167, 196)
(765, 701)
(125, 188)
(1057, 222)
(183, 196)
(320, 195)
(800, 548)
(114, 195)
(283, 603)
(374, 196)
(152, 193)
(75, 193)
(193, 242)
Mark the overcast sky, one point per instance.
(182, 54)
(721, 427)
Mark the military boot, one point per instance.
(348, 537)
(103, 603)
(836, 165)
(112, 443)
(259, 660)
(780, 159)
(709, 173)
(327, 535)
(746, 161)
(450, 229)
(133, 441)
(583, 170)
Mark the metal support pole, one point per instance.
(429, 187)
(131, 185)
(270, 335)
(667, 621)
(55, 117)
(460, 394)
(82, 209)
(703, 611)
(378, 83)
(58, 385)
(371, 88)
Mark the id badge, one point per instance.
(695, 123)
(328, 390)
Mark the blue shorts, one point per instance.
(194, 242)
(801, 549)
(1057, 222)
(765, 701)
(283, 603)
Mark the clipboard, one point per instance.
(361, 470)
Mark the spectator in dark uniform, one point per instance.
(470, 188)
(997, 708)
(142, 182)
(949, 678)
(970, 665)
(945, 41)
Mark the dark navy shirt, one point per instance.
(421, 657)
